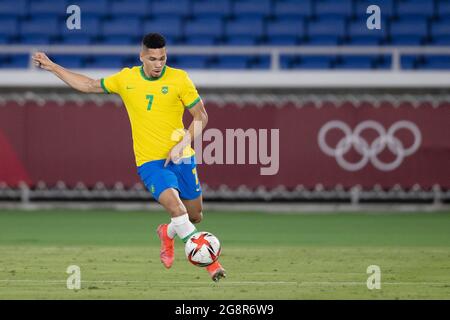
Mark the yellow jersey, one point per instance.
(155, 108)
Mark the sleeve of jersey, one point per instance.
(111, 84)
(189, 94)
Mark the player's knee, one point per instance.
(197, 217)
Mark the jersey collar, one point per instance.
(152, 78)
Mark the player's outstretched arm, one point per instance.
(75, 80)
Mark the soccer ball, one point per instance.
(202, 249)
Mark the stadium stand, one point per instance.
(231, 23)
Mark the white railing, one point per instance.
(275, 77)
(273, 51)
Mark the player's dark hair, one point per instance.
(154, 41)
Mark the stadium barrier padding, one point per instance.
(49, 142)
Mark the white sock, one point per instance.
(171, 232)
(182, 226)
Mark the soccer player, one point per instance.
(155, 96)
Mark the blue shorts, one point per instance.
(182, 176)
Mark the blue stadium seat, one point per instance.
(407, 40)
(90, 26)
(171, 41)
(322, 27)
(105, 62)
(2, 60)
(191, 62)
(48, 8)
(8, 27)
(355, 62)
(231, 62)
(443, 9)
(35, 39)
(197, 40)
(116, 40)
(436, 63)
(13, 8)
(260, 62)
(249, 9)
(4, 39)
(410, 20)
(313, 62)
(383, 62)
(408, 32)
(204, 27)
(13, 40)
(41, 27)
(386, 7)
(326, 31)
(286, 28)
(240, 41)
(359, 34)
(244, 27)
(17, 61)
(328, 40)
(409, 62)
(362, 41)
(170, 28)
(415, 8)
(122, 27)
(288, 61)
(282, 41)
(334, 8)
(89, 8)
(441, 41)
(133, 60)
(292, 9)
(211, 9)
(69, 61)
(287, 32)
(440, 32)
(76, 39)
(164, 8)
(129, 8)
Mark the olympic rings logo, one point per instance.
(369, 152)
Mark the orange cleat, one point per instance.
(216, 271)
(167, 249)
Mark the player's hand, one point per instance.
(175, 154)
(177, 151)
(41, 60)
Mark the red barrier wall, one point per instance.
(90, 144)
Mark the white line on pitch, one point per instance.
(158, 282)
(302, 283)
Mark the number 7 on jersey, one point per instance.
(150, 101)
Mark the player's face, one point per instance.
(154, 61)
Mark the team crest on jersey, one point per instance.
(165, 89)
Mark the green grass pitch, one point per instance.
(267, 256)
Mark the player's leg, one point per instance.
(194, 209)
(163, 185)
(190, 194)
(180, 223)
